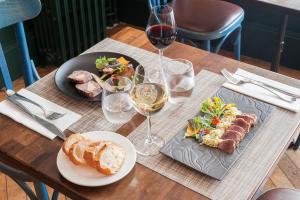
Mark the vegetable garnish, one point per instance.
(211, 112)
(108, 67)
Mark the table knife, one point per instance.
(271, 86)
(51, 127)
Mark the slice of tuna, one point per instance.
(243, 124)
(89, 89)
(227, 146)
(237, 128)
(250, 118)
(232, 135)
(80, 76)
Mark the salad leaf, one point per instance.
(215, 107)
(101, 62)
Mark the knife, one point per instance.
(271, 86)
(51, 127)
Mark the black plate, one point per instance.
(83, 62)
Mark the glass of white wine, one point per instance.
(148, 97)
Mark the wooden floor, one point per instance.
(286, 174)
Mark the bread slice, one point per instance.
(70, 141)
(110, 159)
(91, 152)
(77, 150)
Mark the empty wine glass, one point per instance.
(180, 79)
(116, 104)
(148, 98)
(161, 28)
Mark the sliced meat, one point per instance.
(243, 124)
(227, 146)
(108, 70)
(80, 76)
(236, 128)
(254, 117)
(232, 135)
(250, 118)
(89, 89)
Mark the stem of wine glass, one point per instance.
(161, 53)
(149, 136)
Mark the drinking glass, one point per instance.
(180, 80)
(148, 98)
(116, 104)
(161, 28)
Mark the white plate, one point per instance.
(88, 176)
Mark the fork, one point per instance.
(237, 81)
(48, 114)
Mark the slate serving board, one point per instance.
(212, 161)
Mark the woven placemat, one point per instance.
(92, 115)
(250, 169)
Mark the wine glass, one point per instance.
(148, 98)
(116, 104)
(161, 28)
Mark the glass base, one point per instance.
(150, 147)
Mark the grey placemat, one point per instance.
(212, 161)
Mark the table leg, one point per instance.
(280, 44)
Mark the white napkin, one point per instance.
(12, 111)
(262, 94)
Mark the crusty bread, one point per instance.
(71, 140)
(77, 150)
(90, 153)
(106, 157)
(110, 159)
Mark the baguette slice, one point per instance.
(70, 141)
(110, 159)
(91, 152)
(77, 150)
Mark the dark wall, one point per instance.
(260, 29)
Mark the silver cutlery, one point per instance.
(271, 86)
(48, 114)
(51, 127)
(237, 81)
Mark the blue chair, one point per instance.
(14, 12)
(204, 21)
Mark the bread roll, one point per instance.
(90, 153)
(77, 150)
(110, 159)
(70, 141)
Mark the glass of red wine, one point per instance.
(161, 28)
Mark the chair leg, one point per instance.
(21, 39)
(41, 190)
(206, 45)
(237, 43)
(55, 195)
(25, 188)
(35, 74)
(296, 145)
(4, 71)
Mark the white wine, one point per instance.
(148, 98)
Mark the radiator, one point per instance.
(65, 28)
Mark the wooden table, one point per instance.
(22, 148)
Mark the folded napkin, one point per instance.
(263, 94)
(12, 111)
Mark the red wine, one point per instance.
(161, 36)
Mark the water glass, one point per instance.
(180, 79)
(116, 105)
